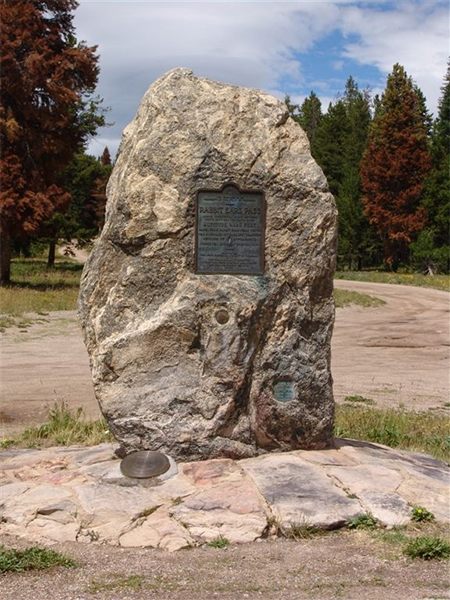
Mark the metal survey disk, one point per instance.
(144, 463)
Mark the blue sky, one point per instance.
(279, 47)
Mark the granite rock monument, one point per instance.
(207, 302)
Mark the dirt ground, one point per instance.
(347, 565)
(395, 354)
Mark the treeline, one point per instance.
(387, 165)
(81, 219)
(386, 160)
(50, 189)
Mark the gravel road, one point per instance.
(395, 354)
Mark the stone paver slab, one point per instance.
(362, 478)
(158, 530)
(300, 493)
(232, 509)
(388, 509)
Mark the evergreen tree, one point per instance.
(105, 158)
(85, 179)
(432, 249)
(309, 117)
(330, 144)
(357, 244)
(47, 111)
(395, 165)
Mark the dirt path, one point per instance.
(395, 354)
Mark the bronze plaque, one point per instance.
(229, 232)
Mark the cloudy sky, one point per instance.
(279, 47)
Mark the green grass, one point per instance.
(418, 539)
(397, 536)
(425, 432)
(36, 289)
(366, 521)
(359, 400)
(64, 428)
(438, 282)
(116, 582)
(300, 531)
(344, 298)
(32, 558)
(428, 548)
(119, 582)
(219, 542)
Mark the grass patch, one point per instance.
(437, 282)
(344, 298)
(36, 289)
(395, 427)
(428, 548)
(15, 302)
(116, 582)
(64, 428)
(359, 400)
(34, 273)
(119, 582)
(300, 531)
(426, 540)
(396, 536)
(33, 558)
(366, 521)
(219, 542)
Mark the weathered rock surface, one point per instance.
(203, 501)
(167, 374)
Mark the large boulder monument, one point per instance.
(207, 302)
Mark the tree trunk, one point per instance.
(51, 254)
(5, 259)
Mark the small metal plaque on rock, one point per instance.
(144, 463)
(229, 231)
(284, 391)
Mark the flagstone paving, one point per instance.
(79, 494)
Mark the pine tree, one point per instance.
(356, 242)
(432, 249)
(85, 179)
(105, 158)
(330, 144)
(395, 165)
(47, 111)
(309, 117)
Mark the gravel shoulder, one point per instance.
(350, 565)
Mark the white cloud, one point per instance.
(263, 44)
(414, 34)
